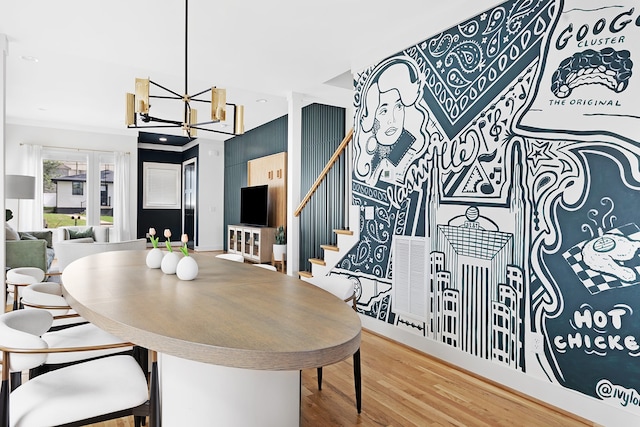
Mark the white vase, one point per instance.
(170, 263)
(187, 268)
(154, 258)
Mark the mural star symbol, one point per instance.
(439, 64)
(539, 153)
(505, 39)
(483, 17)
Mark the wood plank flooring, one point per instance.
(403, 387)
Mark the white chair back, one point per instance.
(25, 275)
(22, 329)
(45, 294)
(339, 286)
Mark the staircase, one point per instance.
(332, 254)
(345, 238)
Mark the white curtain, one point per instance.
(31, 216)
(121, 205)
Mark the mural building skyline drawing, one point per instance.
(497, 163)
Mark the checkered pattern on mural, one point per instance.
(595, 281)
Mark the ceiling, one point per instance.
(89, 53)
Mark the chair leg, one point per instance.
(320, 378)
(358, 379)
(16, 380)
(141, 355)
(4, 403)
(154, 398)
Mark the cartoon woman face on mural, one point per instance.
(390, 134)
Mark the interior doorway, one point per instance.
(189, 201)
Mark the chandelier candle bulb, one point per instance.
(239, 120)
(130, 117)
(218, 104)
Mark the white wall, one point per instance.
(211, 232)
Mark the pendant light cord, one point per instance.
(186, 49)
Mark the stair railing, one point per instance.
(336, 155)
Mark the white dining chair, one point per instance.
(83, 393)
(48, 297)
(21, 277)
(344, 289)
(231, 257)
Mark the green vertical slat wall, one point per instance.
(323, 128)
(270, 138)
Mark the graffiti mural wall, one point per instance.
(497, 169)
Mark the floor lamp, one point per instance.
(20, 187)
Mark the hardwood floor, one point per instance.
(403, 387)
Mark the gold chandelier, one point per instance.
(139, 107)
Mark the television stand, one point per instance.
(254, 243)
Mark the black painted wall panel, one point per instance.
(160, 218)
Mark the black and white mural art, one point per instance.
(497, 170)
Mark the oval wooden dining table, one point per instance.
(231, 342)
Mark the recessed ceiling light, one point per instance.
(29, 58)
(163, 139)
(261, 100)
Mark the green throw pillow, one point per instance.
(81, 234)
(26, 236)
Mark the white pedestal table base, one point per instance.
(195, 393)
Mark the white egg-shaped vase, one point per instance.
(170, 263)
(154, 258)
(187, 268)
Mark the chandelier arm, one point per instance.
(200, 93)
(164, 88)
(165, 97)
(212, 130)
(205, 123)
(152, 126)
(201, 100)
(157, 119)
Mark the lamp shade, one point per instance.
(20, 187)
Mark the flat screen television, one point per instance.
(254, 205)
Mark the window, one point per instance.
(77, 183)
(76, 189)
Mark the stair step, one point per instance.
(317, 261)
(306, 274)
(330, 248)
(341, 231)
